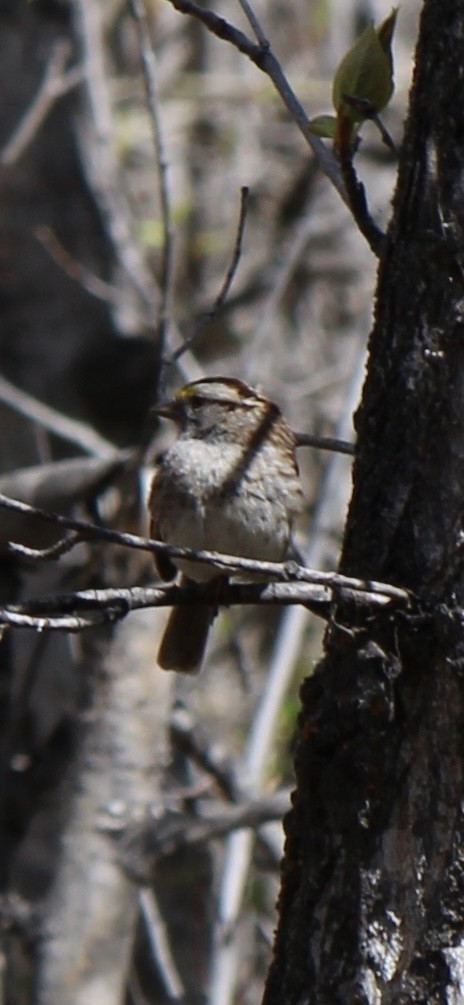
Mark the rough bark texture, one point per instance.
(372, 899)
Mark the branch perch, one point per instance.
(287, 571)
(88, 608)
(85, 609)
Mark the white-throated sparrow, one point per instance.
(229, 483)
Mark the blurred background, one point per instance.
(100, 751)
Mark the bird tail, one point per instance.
(184, 641)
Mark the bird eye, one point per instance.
(195, 402)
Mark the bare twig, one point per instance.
(230, 274)
(144, 844)
(356, 192)
(288, 572)
(149, 72)
(9, 619)
(55, 83)
(101, 162)
(63, 612)
(254, 22)
(61, 425)
(262, 56)
(386, 137)
(228, 280)
(55, 551)
(325, 443)
(191, 741)
(159, 944)
(369, 112)
(97, 287)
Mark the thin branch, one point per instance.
(60, 425)
(87, 608)
(325, 443)
(368, 110)
(143, 845)
(159, 944)
(230, 274)
(386, 137)
(228, 280)
(65, 261)
(356, 192)
(101, 163)
(264, 59)
(358, 204)
(10, 619)
(255, 24)
(55, 83)
(55, 551)
(109, 605)
(86, 531)
(189, 738)
(149, 72)
(288, 572)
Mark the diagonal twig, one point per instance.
(143, 844)
(356, 193)
(325, 443)
(101, 163)
(60, 425)
(75, 270)
(288, 572)
(159, 944)
(227, 283)
(263, 57)
(55, 83)
(255, 23)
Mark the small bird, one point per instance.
(229, 483)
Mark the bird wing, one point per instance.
(165, 566)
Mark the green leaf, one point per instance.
(385, 33)
(365, 73)
(324, 125)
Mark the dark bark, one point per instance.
(372, 898)
(57, 341)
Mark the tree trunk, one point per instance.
(372, 898)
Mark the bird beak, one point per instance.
(167, 410)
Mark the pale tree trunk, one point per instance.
(92, 910)
(372, 899)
